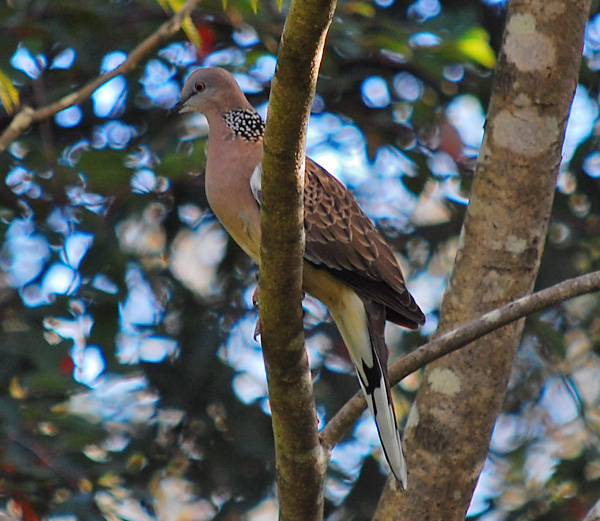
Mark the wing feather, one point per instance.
(341, 238)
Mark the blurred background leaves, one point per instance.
(130, 385)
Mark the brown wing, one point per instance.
(341, 238)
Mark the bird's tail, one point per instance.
(380, 404)
(362, 329)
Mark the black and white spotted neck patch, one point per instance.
(245, 123)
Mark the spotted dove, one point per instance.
(348, 265)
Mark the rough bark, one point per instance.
(301, 461)
(450, 424)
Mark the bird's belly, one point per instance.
(323, 286)
(239, 214)
(347, 311)
(245, 232)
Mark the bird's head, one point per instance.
(211, 90)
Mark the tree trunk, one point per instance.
(300, 458)
(450, 424)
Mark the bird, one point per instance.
(348, 265)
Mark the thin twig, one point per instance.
(27, 116)
(594, 513)
(460, 337)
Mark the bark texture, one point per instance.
(450, 424)
(301, 461)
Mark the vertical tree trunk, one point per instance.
(301, 460)
(450, 424)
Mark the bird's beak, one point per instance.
(175, 109)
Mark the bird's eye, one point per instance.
(199, 86)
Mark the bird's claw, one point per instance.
(257, 329)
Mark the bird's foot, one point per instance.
(256, 329)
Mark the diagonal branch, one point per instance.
(460, 337)
(594, 513)
(28, 116)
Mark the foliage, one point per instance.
(130, 384)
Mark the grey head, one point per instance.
(215, 93)
(212, 91)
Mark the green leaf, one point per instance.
(191, 32)
(9, 95)
(254, 6)
(361, 8)
(176, 5)
(475, 44)
(187, 24)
